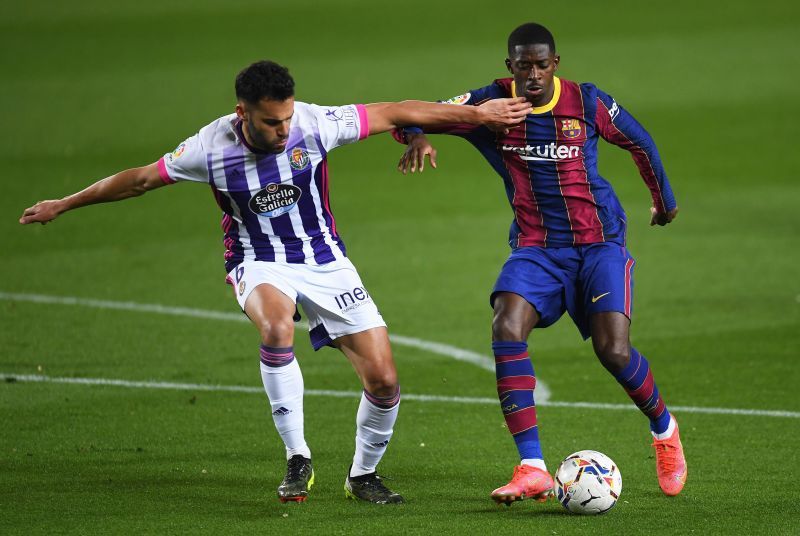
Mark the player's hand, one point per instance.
(501, 114)
(662, 218)
(42, 212)
(414, 157)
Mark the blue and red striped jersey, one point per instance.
(549, 164)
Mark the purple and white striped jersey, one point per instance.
(275, 206)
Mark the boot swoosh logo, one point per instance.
(595, 298)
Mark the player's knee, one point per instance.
(277, 333)
(507, 328)
(381, 383)
(613, 354)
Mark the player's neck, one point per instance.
(241, 130)
(245, 135)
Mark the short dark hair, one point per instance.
(264, 80)
(531, 33)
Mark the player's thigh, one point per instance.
(267, 297)
(535, 275)
(337, 303)
(514, 317)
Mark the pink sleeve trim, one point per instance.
(363, 122)
(163, 173)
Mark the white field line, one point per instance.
(10, 378)
(453, 352)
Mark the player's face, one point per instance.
(533, 67)
(267, 123)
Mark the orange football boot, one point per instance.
(528, 482)
(670, 463)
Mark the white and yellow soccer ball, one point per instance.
(588, 482)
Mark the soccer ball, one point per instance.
(588, 482)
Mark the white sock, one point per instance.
(534, 462)
(668, 432)
(374, 427)
(284, 387)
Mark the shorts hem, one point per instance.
(320, 337)
(543, 322)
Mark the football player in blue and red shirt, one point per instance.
(568, 243)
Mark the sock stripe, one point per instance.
(521, 420)
(513, 383)
(507, 358)
(385, 402)
(276, 357)
(277, 350)
(503, 348)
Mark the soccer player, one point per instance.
(266, 165)
(568, 244)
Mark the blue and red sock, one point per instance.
(515, 384)
(637, 380)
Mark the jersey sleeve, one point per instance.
(186, 163)
(474, 97)
(617, 126)
(339, 125)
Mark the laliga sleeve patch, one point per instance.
(460, 99)
(179, 150)
(275, 200)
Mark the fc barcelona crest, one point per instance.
(571, 128)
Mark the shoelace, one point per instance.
(295, 468)
(376, 482)
(667, 456)
(520, 470)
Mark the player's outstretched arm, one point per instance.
(122, 185)
(497, 114)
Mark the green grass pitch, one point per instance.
(88, 88)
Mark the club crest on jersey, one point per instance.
(275, 199)
(460, 99)
(570, 128)
(299, 159)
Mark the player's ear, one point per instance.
(240, 110)
(508, 66)
(556, 61)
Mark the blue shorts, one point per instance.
(581, 280)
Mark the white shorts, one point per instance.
(332, 295)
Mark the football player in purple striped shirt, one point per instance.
(568, 243)
(266, 165)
